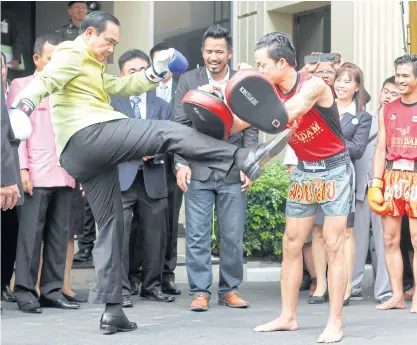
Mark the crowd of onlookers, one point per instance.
(38, 236)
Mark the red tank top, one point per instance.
(317, 134)
(401, 130)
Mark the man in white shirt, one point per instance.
(166, 88)
(166, 91)
(144, 194)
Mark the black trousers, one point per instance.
(88, 237)
(43, 217)
(150, 231)
(173, 213)
(9, 231)
(91, 157)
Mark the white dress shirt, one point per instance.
(164, 90)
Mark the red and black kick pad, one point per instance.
(208, 113)
(252, 98)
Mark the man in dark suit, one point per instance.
(206, 189)
(11, 192)
(166, 91)
(144, 186)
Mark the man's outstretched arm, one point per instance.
(64, 66)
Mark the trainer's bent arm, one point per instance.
(312, 92)
(64, 66)
(129, 85)
(381, 147)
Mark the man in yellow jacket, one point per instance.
(92, 139)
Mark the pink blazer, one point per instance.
(38, 152)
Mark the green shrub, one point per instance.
(265, 222)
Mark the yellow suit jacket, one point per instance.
(79, 90)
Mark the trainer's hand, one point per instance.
(238, 125)
(211, 88)
(20, 123)
(183, 177)
(26, 182)
(147, 158)
(9, 196)
(169, 60)
(376, 201)
(244, 65)
(246, 181)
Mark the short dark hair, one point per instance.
(390, 80)
(279, 46)
(130, 55)
(70, 3)
(4, 57)
(98, 21)
(407, 58)
(158, 47)
(53, 39)
(217, 31)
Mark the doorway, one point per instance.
(312, 32)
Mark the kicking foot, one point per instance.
(279, 324)
(333, 333)
(392, 303)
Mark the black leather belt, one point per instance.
(339, 159)
(389, 165)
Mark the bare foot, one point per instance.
(392, 303)
(333, 333)
(414, 304)
(279, 324)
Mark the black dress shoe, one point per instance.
(60, 303)
(127, 302)
(110, 324)
(75, 298)
(170, 288)
(319, 299)
(7, 294)
(156, 296)
(32, 307)
(83, 255)
(258, 156)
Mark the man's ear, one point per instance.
(36, 58)
(230, 54)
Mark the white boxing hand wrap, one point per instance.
(19, 118)
(169, 60)
(20, 123)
